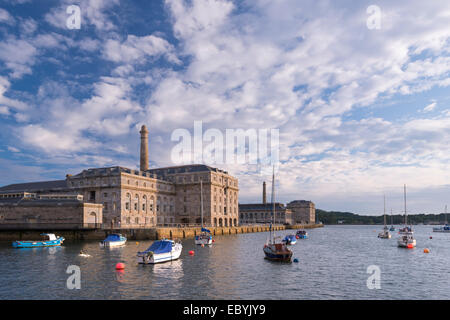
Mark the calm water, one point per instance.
(332, 265)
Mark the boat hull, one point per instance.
(112, 244)
(273, 255)
(35, 244)
(145, 258)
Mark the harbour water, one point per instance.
(332, 264)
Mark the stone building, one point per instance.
(151, 197)
(62, 211)
(295, 212)
(303, 212)
(262, 212)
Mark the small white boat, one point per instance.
(160, 251)
(113, 240)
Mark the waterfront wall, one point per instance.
(143, 234)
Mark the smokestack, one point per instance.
(144, 148)
(264, 193)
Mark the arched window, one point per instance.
(144, 204)
(152, 199)
(128, 202)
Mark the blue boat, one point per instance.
(302, 234)
(50, 241)
(290, 239)
(160, 251)
(113, 240)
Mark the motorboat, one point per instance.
(301, 234)
(290, 239)
(275, 249)
(160, 251)
(50, 241)
(113, 240)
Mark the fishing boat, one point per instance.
(301, 234)
(160, 251)
(50, 241)
(385, 234)
(446, 227)
(205, 238)
(113, 240)
(290, 239)
(406, 239)
(275, 249)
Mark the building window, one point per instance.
(135, 206)
(105, 195)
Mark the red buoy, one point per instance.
(410, 246)
(214, 240)
(120, 266)
(191, 252)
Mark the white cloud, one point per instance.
(430, 107)
(5, 17)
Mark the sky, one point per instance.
(360, 97)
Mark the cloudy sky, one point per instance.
(362, 104)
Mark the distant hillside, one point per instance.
(332, 217)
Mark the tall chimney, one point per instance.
(144, 148)
(264, 193)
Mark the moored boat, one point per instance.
(446, 227)
(301, 234)
(204, 238)
(50, 241)
(290, 239)
(406, 239)
(274, 249)
(385, 233)
(113, 240)
(160, 251)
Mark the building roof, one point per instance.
(261, 206)
(34, 186)
(185, 169)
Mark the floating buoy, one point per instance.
(214, 240)
(295, 260)
(137, 243)
(191, 252)
(120, 266)
(426, 250)
(431, 237)
(410, 246)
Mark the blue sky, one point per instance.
(360, 111)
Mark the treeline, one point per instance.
(333, 217)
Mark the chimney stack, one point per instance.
(144, 148)
(264, 193)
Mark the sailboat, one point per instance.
(385, 233)
(205, 236)
(445, 228)
(406, 239)
(392, 228)
(275, 249)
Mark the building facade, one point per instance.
(150, 197)
(303, 211)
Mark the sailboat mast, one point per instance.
(273, 199)
(384, 198)
(446, 221)
(201, 200)
(406, 218)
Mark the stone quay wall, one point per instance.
(143, 233)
